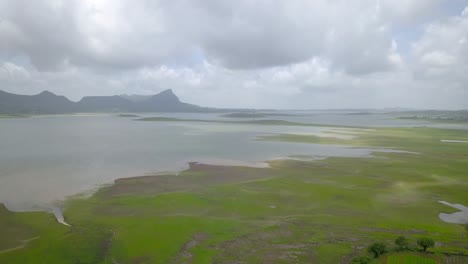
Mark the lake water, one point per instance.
(44, 159)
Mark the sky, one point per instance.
(294, 54)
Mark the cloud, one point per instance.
(42, 30)
(409, 11)
(442, 52)
(234, 34)
(247, 53)
(13, 72)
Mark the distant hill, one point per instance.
(135, 97)
(45, 102)
(49, 103)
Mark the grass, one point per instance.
(12, 232)
(128, 115)
(460, 116)
(293, 212)
(253, 115)
(253, 122)
(409, 258)
(13, 116)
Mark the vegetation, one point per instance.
(128, 115)
(253, 115)
(326, 211)
(437, 116)
(377, 249)
(253, 122)
(411, 258)
(402, 243)
(361, 260)
(13, 116)
(245, 115)
(425, 243)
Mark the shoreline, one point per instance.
(297, 202)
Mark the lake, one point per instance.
(44, 159)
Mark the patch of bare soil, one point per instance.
(348, 258)
(265, 247)
(185, 256)
(394, 231)
(196, 177)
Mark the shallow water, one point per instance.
(45, 159)
(59, 215)
(331, 117)
(460, 217)
(453, 141)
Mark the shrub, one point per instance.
(377, 249)
(402, 243)
(361, 260)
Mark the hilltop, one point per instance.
(49, 103)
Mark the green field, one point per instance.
(13, 116)
(251, 122)
(419, 258)
(407, 258)
(325, 211)
(460, 116)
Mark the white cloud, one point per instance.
(438, 59)
(233, 34)
(13, 72)
(248, 53)
(442, 52)
(408, 11)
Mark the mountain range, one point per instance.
(50, 103)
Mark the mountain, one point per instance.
(49, 103)
(43, 103)
(167, 101)
(104, 104)
(135, 97)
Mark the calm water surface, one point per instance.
(45, 159)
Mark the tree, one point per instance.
(425, 243)
(361, 260)
(377, 249)
(402, 243)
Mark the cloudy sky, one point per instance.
(245, 53)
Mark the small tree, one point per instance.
(425, 243)
(361, 260)
(377, 249)
(402, 243)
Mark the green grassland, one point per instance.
(460, 116)
(13, 116)
(325, 211)
(419, 258)
(128, 115)
(406, 258)
(251, 122)
(253, 115)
